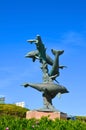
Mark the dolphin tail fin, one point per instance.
(59, 52)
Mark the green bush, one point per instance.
(12, 116)
(81, 118)
(16, 123)
(13, 110)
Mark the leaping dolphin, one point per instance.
(49, 91)
(35, 55)
(51, 88)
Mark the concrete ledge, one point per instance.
(50, 115)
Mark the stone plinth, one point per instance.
(50, 115)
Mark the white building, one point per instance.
(21, 104)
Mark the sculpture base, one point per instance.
(49, 114)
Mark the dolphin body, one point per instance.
(51, 88)
(35, 55)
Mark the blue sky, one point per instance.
(61, 25)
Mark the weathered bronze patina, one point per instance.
(48, 88)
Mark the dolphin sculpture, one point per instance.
(35, 55)
(49, 90)
(40, 47)
(52, 88)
